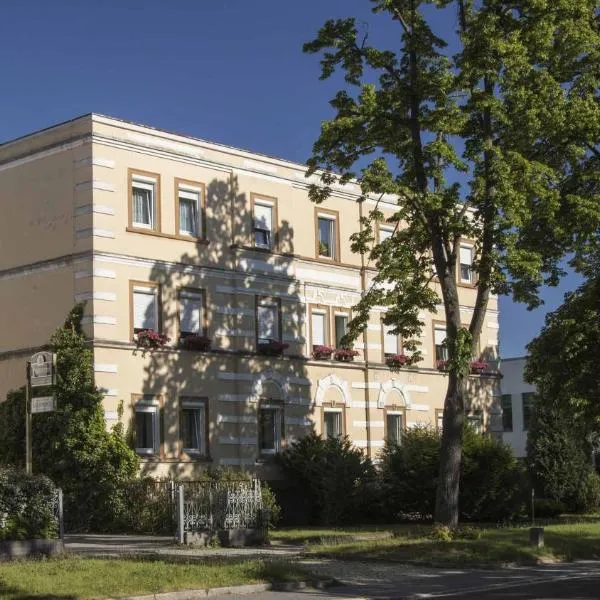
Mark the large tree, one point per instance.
(486, 134)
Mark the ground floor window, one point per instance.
(146, 425)
(193, 426)
(332, 423)
(394, 426)
(270, 427)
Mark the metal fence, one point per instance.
(211, 506)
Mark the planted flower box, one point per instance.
(442, 365)
(397, 361)
(321, 352)
(478, 366)
(150, 339)
(193, 341)
(344, 354)
(271, 347)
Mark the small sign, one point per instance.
(43, 404)
(42, 369)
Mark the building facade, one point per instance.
(157, 231)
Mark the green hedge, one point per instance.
(26, 506)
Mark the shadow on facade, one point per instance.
(243, 391)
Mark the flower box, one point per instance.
(150, 339)
(344, 354)
(194, 341)
(442, 365)
(322, 352)
(397, 361)
(478, 366)
(271, 347)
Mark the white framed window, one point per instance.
(145, 308)
(143, 197)
(390, 341)
(267, 321)
(270, 428)
(394, 426)
(193, 426)
(476, 420)
(147, 429)
(332, 423)
(341, 328)
(191, 312)
(318, 328)
(441, 351)
(190, 211)
(439, 419)
(385, 233)
(466, 264)
(327, 236)
(263, 224)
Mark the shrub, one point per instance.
(270, 503)
(26, 506)
(333, 477)
(491, 478)
(588, 494)
(546, 508)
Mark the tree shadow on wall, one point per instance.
(236, 405)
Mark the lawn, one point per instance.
(495, 546)
(74, 578)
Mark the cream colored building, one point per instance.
(163, 231)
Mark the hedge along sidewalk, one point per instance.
(495, 547)
(87, 578)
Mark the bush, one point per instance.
(335, 480)
(491, 478)
(588, 494)
(270, 503)
(26, 506)
(546, 508)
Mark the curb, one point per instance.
(277, 586)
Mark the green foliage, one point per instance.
(558, 455)
(588, 495)
(545, 508)
(71, 445)
(334, 478)
(270, 503)
(26, 506)
(492, 481)
(12, 434)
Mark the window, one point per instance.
(265, 214)
(332, 423)
(193, 426)
(144, 200)
(318, 328)
(145, 307)
(327, 235)
(267, 321)
(341, 327)
(466, 262)
(476, 421)
(190, 211)
(270, 428)
(507, 414)
(191, 312)
(439, 334)
(146, 427)
(394, 424)
(385, 233)
(391, 341)
(439, 419)
(527, 399)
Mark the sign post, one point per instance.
(41, 372)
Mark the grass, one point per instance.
(73, 578)
(496, 546)
(312, 535)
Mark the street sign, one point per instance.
(42, 369)
(43, 404)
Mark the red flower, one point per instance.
(150, 339)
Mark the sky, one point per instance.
(229, 71)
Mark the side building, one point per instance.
(220, 250)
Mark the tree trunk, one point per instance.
(446, 502)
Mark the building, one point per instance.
(516, 399)
(166, 232)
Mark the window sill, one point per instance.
(169, 236)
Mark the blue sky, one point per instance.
(230, 71)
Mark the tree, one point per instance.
(490, 135)
(72, 445)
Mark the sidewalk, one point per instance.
(108, 545)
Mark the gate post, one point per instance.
(180, 518)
